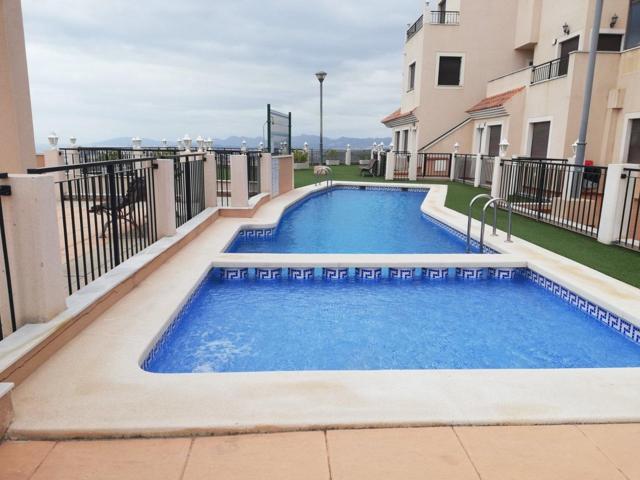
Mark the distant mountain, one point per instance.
(235, 141)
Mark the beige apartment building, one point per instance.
(479, 71)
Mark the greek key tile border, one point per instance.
(335, 273)
(301, 273)
(268, 273)
(368, 273)
(502, 273)
(620, 325)
(402, 273)
(435, 273)
(470, 273)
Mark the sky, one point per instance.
(101, 69)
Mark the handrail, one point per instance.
(493, 203)
(79, 166)
(469, 218)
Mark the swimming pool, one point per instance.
(526, 322)
(354, 220)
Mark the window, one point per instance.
(633, 25)
(495, 131)
(609, 42)
(412, 76)
(450, 71)
(566, 48)
(634, 142)
(540, 139)
(397, 141)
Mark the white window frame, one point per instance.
(614, 31)
(462, 68)
(626, 135)
(529, 134)
(569, 37)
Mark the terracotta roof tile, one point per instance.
(396, 115)
(495, 100)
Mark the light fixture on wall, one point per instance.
(566, 29)
(504, 146)
(574, 147)
(53, 140)
(614, 20)
(456, 148)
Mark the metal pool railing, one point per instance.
(434, 165)
(401, 171)
(189, 186)
(106, 214)
(629, 235)
(566, 195)
(81, 155)
(465, 168)
(7, 308)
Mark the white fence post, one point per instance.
(477, 170)
(413, 167)
(613, 204)
(33, 242)
(390, 170)
(210, 181)
(347, 156)
(266, 173)
(496, 179)
(452, 177)
(239, 178)
(164, 189)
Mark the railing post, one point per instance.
(164, 189)
(347, 156)
(452, 172)
(266, 173)
(477, 171)
(239, 181)
(613, 204)
(413, 167)
(496, 179)
(33, 244)
(390, 168)
(210, 181)
(113, 207)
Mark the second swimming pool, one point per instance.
(353, 220)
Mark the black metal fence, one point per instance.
(81, 155)
(7, 325)
(553, 69)
(562, 194)
(401, 171)
(442, 17)
(486, 170)
(223, 174)
(107, 213)
(465, 165)
(415, 28)
(188, 186)
(434, 165)
(253, 172)
(629, 235)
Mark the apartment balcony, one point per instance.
(445, 17)
(415, 28)
(548, 71)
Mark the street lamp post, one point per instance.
(321, 76)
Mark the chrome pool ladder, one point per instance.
(323, 171)
(492, 202)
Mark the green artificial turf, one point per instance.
(611, 260)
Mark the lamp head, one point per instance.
(321, 75)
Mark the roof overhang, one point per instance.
(397, 119)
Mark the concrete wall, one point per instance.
(486, 41)
(628, 89)
(17, 148)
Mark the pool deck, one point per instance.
(93, 387)
(585, 452)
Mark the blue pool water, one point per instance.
(287, 325)
(355, 221)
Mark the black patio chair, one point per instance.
(136, 193)
(369, 169)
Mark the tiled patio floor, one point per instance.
(542, 452)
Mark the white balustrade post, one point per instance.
(496, 179)
(613, 203)
(210, 181)
(239, 181)
(390, 170)
(347, 156)
(413, 167)
(266, 167)
(477, 174)
(452, 174)
(164, 189)
(33, 243)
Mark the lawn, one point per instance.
(614, 261)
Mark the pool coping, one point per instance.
(94, 386)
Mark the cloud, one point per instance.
(101, 69)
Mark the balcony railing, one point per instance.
(443, 17)
(553, 69)
(415, 28)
